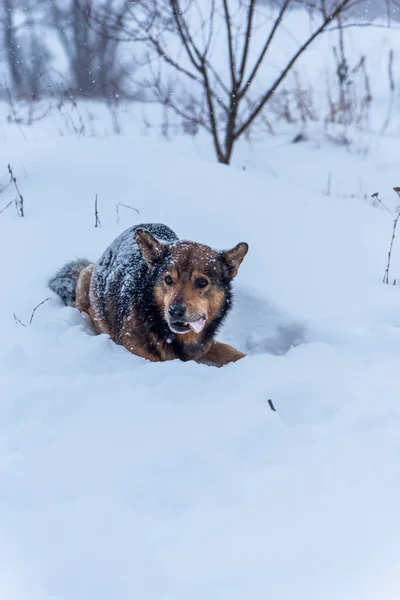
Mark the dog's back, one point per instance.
(120, 269)
(121, 276)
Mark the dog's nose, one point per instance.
(177, 311)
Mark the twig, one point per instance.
(272, 407)
(5, 208)
(19, 321)
(396, 219)
(337, 10)
(379, 201)
(97, 222)
(125, 206)
(35, 309)
(329, 185)
(20, 203)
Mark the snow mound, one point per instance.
(125, 479)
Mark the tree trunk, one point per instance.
(11, 47)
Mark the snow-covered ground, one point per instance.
(122, 479)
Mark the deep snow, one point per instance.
(124, 479)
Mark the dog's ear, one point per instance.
(232, 259)
(151, 249)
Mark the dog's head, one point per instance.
(193, 281)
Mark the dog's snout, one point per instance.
(177, 310)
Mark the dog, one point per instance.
(158, 296)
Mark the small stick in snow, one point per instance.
(19, 201)
(329, 185)
(5, 208)
(97, 222)
(32, 315)
(19, 321)
(270, 404)
(379, 201)
(395, 221)
(35, 309)
(125, 206)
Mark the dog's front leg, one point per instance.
(220, 354)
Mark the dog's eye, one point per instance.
(201, 283)
(168, 280)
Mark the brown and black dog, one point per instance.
(158, 296)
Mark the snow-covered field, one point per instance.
(122, 479)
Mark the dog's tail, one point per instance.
(64, 281)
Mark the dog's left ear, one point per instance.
(152, 250)
(233, 258)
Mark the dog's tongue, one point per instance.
(198, 325)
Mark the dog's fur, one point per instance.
(142, 280)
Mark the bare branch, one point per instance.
(211, 28)
(395, 221)
(166, 98)
(164, 55)
(267, 44)
(264, 99)
(125, 206)
(228, 25)
(247, 37)
(185, 37)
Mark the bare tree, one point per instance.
(26, 55)
(92, 51)
(183, 34)
(36, 54)
(74, 36)
(13, 51)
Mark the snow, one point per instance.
(125, 479)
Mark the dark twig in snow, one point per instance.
(97, 222)
(379, 201)
(35, 309)
(32, 315)
(329, 185)
(19, 201)
(270, 404)
(125, 206)
(19, 321)
(5, 208)
(395, 221)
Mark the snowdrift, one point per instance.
(124, 479)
